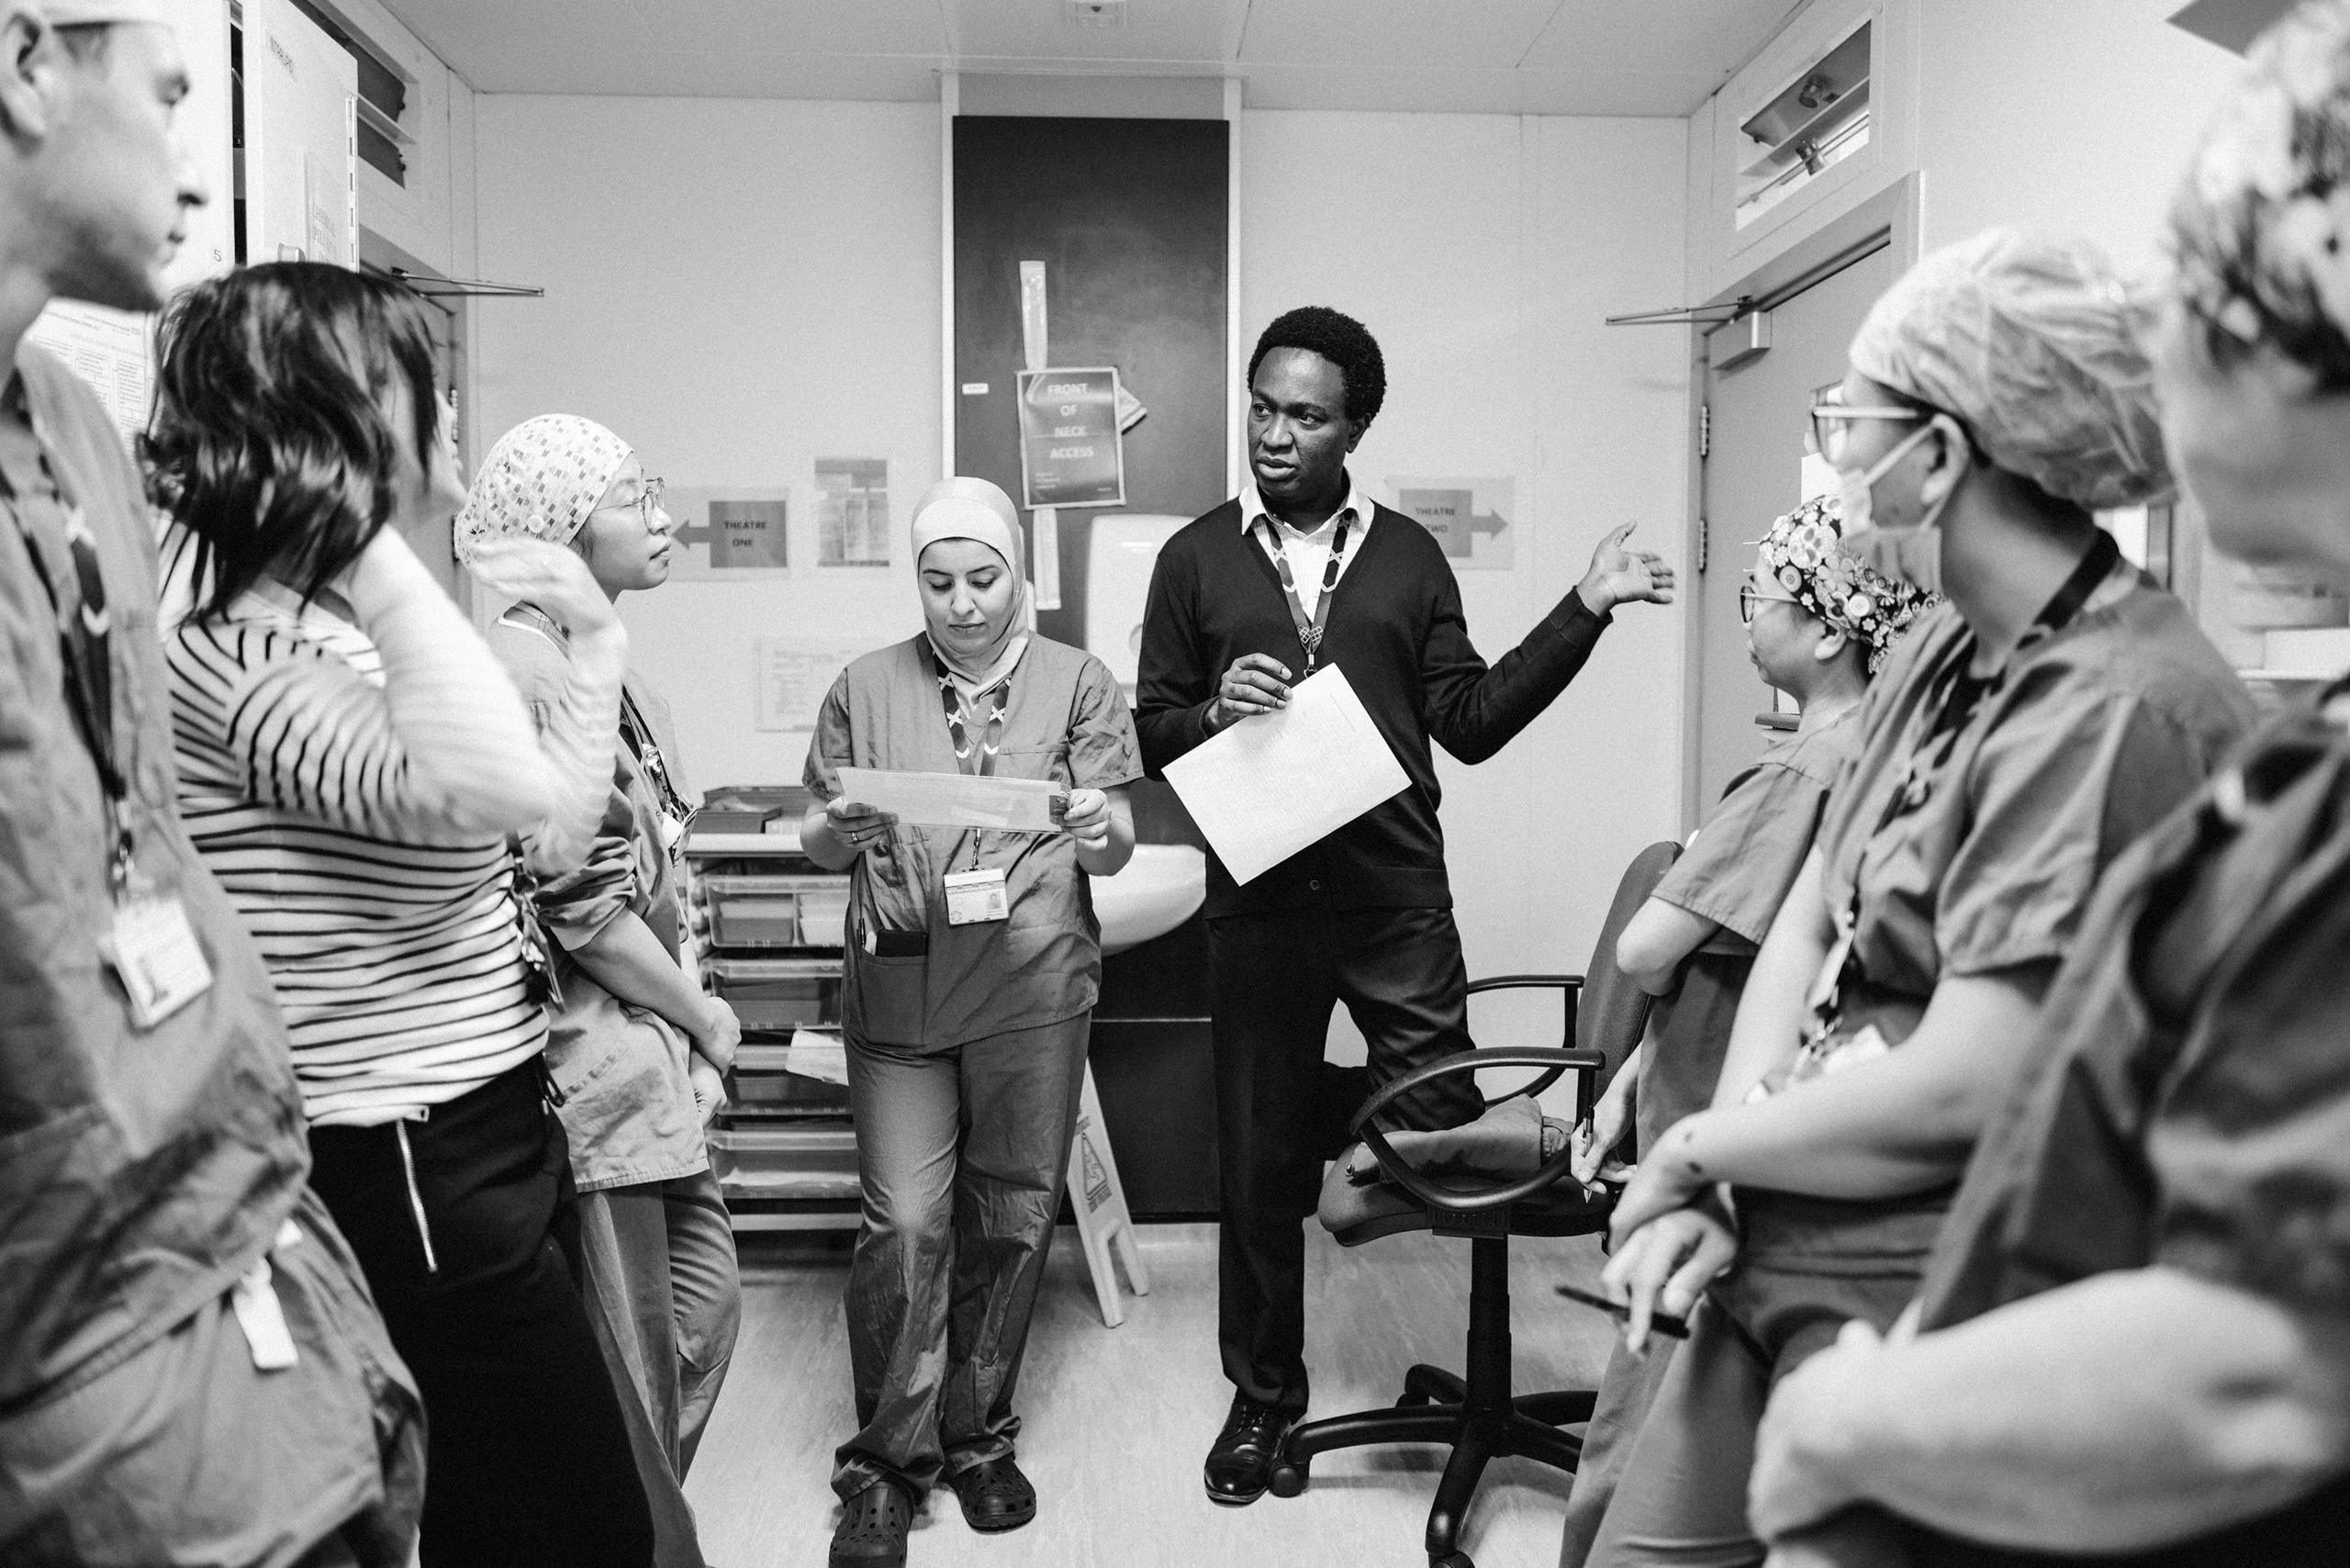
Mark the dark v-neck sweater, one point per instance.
(1396, 626)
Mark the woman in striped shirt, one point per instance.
(356, 768)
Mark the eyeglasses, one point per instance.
(644, 504)
(1831, 418)
(1750, 600)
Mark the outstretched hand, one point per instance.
(1620, 575)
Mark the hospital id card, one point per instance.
(155, 951)
(976, 898)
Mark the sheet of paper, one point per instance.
(790, 679)
(1268, 787)
(954, 800)
(815, 1055)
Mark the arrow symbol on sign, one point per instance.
(1487, 522)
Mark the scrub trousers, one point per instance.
(1627, 1389)
(462, 1221)
(1808, 1267)
(962, 1153)
(658, 1271)
(1282, 1111)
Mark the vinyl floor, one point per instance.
(1117, 1421)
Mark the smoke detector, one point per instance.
(1102, 14)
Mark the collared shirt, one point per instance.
(1308, 550)
(144, 1169)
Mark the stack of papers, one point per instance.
(815, 1055)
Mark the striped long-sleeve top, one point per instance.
(390, 926)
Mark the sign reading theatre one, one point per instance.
(1070, 451)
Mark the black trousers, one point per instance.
(460, 1221)
(1282, 1111)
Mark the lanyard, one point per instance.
(1309, 629)
(990, 740)
(84, 638)
(638, 736)
(1960, 701)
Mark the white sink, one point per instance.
(1161, 887)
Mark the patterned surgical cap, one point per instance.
(541, 481)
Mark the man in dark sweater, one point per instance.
(1301, 570)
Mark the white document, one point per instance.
(954, 800)
(1271, 785)
(815, 1055)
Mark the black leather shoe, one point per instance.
(872, 1532)
(995, 1495)
(1240, 1464)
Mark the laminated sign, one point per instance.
(1070, 451)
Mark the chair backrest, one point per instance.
(1614, 1012)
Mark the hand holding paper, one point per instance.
(1266, 787)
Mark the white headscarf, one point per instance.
(541, 481)
(962, 508)
(86, 12)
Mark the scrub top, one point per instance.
(2091, 734)
(1736, 872)
(618, 1073)
(2191, 1105)
(1064, 720)
(142, 1171)
(1982, 856)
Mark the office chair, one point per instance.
(1479, 1415)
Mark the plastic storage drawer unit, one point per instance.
(767, 912)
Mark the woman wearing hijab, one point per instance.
(2056, 706)
(2132, 1345)
(636, 1051)
(971, 966)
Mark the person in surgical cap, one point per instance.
(972, 963)
(191, 1369)
(2132, 1345)
(2055, 707)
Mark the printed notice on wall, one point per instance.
(790, 678)
(738, 534)
(1473, 519)
(853, 511)
(1071, 450)
(108, 349)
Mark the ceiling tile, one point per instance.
(1169, 31)
(1394, 34)
(1708, 37)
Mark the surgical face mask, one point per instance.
(1913, 555)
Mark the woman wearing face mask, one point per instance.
(2133, 1340)
(355, 768)
(965, 1016)
(635, 1050)
(1819, 627)
(2024, 734)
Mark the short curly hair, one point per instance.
(1344, 341)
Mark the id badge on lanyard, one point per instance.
(149, 944)
(974, 896)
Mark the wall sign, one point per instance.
(1473, 519)
(1071, 454)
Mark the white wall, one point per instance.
(2076, 117)
(738, 288)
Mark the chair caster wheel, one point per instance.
(1289, 1478)
(1452, 1560)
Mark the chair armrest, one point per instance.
(1473, 1200)
(1571, 990)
